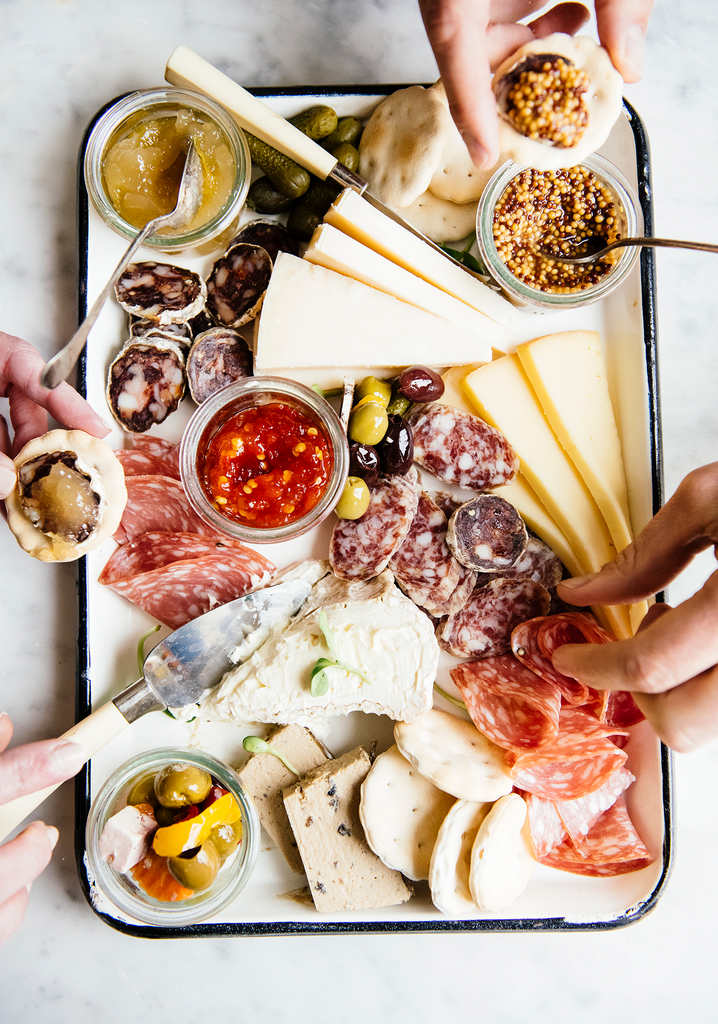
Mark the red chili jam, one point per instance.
(267, 466)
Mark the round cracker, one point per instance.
(451, 860)
(456, 178)
(401, 813)
(604, 101)
(439, 219)
(455, 756)
(501, 860)
(402, 145)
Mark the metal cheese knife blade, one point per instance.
(176, 673)
(188, 70)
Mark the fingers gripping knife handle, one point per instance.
(92, 733)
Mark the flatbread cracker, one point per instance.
(451, 860)
(501, 860)
(439, 219)
(456, 177)
(402, 144)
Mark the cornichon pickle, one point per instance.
(308, 214)
(284, 174)
(316, 122)
(348, 129)
(263, 197)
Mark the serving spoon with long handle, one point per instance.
(188, 200)
(177, 672)
(592, 253)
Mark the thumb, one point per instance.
(7, 476)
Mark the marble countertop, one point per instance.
(62, 60)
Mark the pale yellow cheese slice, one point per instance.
(568, 373)
(502, 395)
(314, 317)
(358, 218)
(331, 248)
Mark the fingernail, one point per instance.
(478, 153)
(28, 886)
(7, 481)
(68, 757)
(574, 582)
(52, 834)
(105, 424)
(633, 49)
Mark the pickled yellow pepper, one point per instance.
(173, 840)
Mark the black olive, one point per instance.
(420, 384)
(363, 462)
(396, 451)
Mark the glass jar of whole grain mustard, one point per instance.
(523, 210)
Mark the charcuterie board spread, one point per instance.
(435, 768)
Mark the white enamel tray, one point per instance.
(110, 626)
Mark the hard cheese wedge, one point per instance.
(358, 218)
(501, 393)
(314, 317)
(334, 250)
(568, 373)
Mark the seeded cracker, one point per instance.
(439, 219)
(456, 178)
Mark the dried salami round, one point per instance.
(483, 626)
(145, 383)
(487, 534)
(160, 292)
(237, 283)
(218, 357)
(271, 236)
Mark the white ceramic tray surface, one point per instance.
(112, 626)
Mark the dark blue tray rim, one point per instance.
(84, 677)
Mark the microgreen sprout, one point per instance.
(256, 745)
(319, 681)
(141, 647)
(464, 256)
(452, 700)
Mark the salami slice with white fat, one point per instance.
(612, 847)
(158, 503)
(181, 591)
(237, 283)
(423, 566)
(139, 463)
(459, 596)
(538, 563)
(160, 292)
(145, 383)
(483, 627)
(179, 332)
(576, 763)
(546, 829)
(508, 703)
(157, 548)
(524, 644)
(271, 236)
(460, 448)
(622, 710)
(579, 816)
(165, 451)
(362, 548)
(218, 357)
(487, 534)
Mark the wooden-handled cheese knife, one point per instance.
(190, 71)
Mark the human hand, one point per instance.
(471, 37)
(671, 665)
(20, 366)
(25, 770)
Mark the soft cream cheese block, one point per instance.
(376, 629)
(337, 251)
(312, 316)
(356, 217)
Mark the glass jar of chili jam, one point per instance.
(264, 459)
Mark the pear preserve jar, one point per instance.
(526, 216)
(134, 160)
(264, 459)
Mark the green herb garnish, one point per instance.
(256, 745)
(141, 647)
(319, 681)
(464, 257)
(452, 700)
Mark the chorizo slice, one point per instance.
(146, 383)
(487, 534)
(237, 283)
(218, 357)
(160, 292)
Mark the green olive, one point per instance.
(143, 790)
(164, 816)
(368, 423)
(179, 785)
(354, 500)
(226, 838)
(196, 872)
(380, 390)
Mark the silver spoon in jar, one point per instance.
(188, 200)
(594, 249)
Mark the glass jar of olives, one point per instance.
(205, 845)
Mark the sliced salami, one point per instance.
(546, 829)
(459, 596)
(181, 591)
(487, 534)
(460, 448)
(157, 548)
(576, 763)
(145, 383)
(218, 357)
(579, 816)
(508, 703)
(237, 283)
(158, 503)
(622, 710)
(362, 548)
(179, 332)
(160, 292)
(423, 566)
(524, 644)
(596, 704)
(538, 563)
(482, 628)
(138, 463)
(446, 502)
(570, 628)
(271, 236)
(613, 847)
